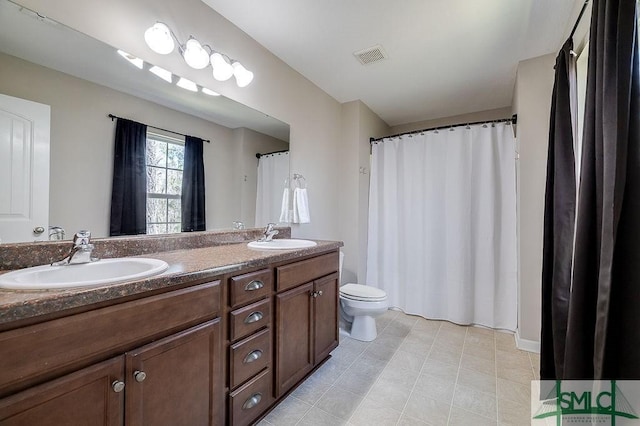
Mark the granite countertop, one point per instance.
(184, 266)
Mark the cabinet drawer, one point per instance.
(42, 351)
(249, 356)
(251, 400)
(245, 321)
(249, 287)
(307, 270)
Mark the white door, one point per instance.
(24, 170)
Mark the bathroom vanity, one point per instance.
(219, 338)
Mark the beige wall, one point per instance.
(82, 145)
(277, 89)
(491, 114)
(532, 103)
(359, 124)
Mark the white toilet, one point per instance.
(359, 305)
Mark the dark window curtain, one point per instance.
(129, 189)
(193, 208)
(559, 218)
(603, 334)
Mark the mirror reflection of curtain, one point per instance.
(273, 178)
(129, 189)
(193, 201)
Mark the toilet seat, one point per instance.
(362, 292)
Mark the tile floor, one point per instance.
(417, 372)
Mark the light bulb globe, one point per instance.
(158, 38)
(243, 75)
(195, 55)
(222, 69)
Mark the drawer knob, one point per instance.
(254, 285)
(117, 386)
(252, 356)
(139, 376)
(253, 317)
(252, 401)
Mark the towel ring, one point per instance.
(300, 181)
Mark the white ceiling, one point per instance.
(445, 57)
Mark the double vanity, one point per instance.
(218, 338)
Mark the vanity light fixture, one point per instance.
(160, 39)
(209, 92)
(162, 73)
(187, 84)
(137, 62)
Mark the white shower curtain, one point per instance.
(442, 224)
(273, 178)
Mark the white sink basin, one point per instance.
(101, 272)
(281, 244)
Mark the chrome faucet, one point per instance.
(56, 233)
(269, 233)
(80, 251)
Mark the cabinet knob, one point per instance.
(320, 293)
(253, 317)
(252, 356)
(254, 285)
(139, 375)
(252, 401)
(117, 386)
(316, 293)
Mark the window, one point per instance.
(165, 161)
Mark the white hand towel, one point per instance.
(301, 206)
(285, 213)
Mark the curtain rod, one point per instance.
(113, 117)
(258, 155)
(513, 119)
(575, 26)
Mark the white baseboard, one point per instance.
(526, 345)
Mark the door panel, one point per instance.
(182, 379)
(86, 397)
(294, 322)
(24, 175)
(326, 316)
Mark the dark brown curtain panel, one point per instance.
(603, 333)
(559, 219)
(193, 202)
(129, 189)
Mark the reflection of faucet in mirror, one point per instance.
(238, 225)
(56, 233)
(80, 251)
(269, 233)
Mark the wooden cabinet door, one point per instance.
(325, 317)
(294, 341)
(86, 397)
(177, 380)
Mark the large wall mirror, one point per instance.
(83, 80)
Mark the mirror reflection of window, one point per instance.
(165, 162)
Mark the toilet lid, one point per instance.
(362, 292)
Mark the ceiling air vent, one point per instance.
(370, 55)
